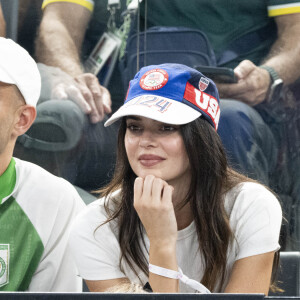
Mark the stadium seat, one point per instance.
(288, 276)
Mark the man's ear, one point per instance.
(25, 117)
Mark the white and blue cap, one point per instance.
(170, 93)
(18, 67)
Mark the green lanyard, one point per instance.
(112, 7)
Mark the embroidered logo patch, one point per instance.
(203, 84)
(4, 264)
(154, 79)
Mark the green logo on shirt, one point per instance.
(2, 267)
(4, 263)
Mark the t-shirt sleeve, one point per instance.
(95, 248)
(89, 4)
(57, 270)
(256, 221)
(283, 7)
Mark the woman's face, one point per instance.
(156, 148)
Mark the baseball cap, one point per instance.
(170, 93)
(18, 67)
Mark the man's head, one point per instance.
(20, 86)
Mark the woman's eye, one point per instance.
(133, 127)
(168, 128)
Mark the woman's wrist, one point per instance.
(159, 243)
(163, 255)
(163, 250)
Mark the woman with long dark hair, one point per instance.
(175, 216)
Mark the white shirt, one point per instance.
(254, 215)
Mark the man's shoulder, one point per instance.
(27, 171)
(36, 182)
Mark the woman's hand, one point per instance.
(153, 203)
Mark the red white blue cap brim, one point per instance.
(160, 109)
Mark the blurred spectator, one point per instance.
(36, 207)
(127, 288)
(77, 144)
(29, 18)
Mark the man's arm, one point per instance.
(284, 57)
(2, 23)
(58, 44)
(60, 36)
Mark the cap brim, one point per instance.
(165, 110)
(5, 78)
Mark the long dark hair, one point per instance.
(211, 179)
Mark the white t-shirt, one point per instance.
(255, 218)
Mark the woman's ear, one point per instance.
(25, 117)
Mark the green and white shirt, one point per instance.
(36, 211)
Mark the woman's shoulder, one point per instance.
(250, 195)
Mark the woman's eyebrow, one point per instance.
(133, 118)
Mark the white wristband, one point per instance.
(178, 275)
(163, 272)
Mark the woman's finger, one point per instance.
(147, 188)
(157, 190)
(167, 194)
(138, 190)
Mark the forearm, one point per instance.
(165, 257)
(2, 23)
(55, 47)
(153, 203)
(284, 55)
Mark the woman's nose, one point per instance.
(147, 139)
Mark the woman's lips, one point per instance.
(149, 160)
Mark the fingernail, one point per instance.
(95, 119)
(238, 73)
